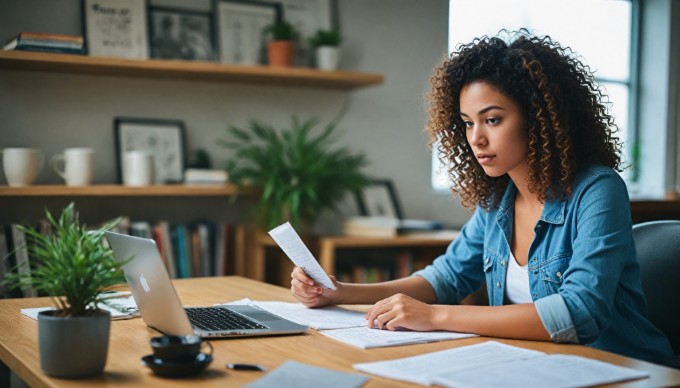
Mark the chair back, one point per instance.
(658, 251)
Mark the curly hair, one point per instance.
(567, 122)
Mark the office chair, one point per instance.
(658, 251)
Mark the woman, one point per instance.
(530, 144)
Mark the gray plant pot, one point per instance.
(73, 347)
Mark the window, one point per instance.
(599, 31)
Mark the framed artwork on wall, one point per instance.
(379, 199)
(178, 33)
(239, 27)
(164, 139)
(116, 28)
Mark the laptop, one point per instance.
(162, 310)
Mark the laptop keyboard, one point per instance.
(215, 318)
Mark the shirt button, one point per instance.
(487, 260)
(533, 259)
(498, 284)
(559, 274)
(535, 294)
(503, 262)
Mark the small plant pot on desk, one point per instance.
(73, 347)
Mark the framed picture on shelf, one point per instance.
(239, 27)
(379, 199)
(180, 33)
(116, 28)
(164, 139)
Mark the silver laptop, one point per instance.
(162, 310)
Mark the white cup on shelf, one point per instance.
(75, 165)
(21, 165)
(138, 168)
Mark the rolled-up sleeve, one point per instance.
(458, 272)
(556, 318)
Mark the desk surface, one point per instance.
(129, 342)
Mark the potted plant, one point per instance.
(299, 171)
(74, 267)
(326, 45)
(282, 43)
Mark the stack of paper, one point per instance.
(349, 326)
(493, 364)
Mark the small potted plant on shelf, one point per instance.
(300, 173)
(326, 44)
(73, 267)
(282, 44)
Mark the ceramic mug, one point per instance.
(178, 348)
(138, 168)
(75, 165)
(21, 165)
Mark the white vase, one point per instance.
(327, 58)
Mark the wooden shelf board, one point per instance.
(124, 191)
(191, 70)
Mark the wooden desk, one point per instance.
(129, 342)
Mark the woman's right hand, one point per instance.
(310, 293)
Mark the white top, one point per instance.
(517, 282)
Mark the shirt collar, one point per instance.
(553, 211)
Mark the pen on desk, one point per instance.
(240, 366)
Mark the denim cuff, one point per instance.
(556, 318)
(445, 294)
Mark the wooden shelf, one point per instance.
(188, 70)
(124, 191)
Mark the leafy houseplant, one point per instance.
(326, 45)
(298, 171)
(281, 47)
(74, 268)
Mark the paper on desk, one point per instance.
(331, 317)
(295, 374)
(123, 307)
(556, 370)
(419, 369)
(296, 250)
(366, 338)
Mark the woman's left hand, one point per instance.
(402, 312)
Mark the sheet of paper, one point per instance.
(365, 338)
(557, 370)
(324, 318)
(295, 374)
(419, 369)
(123, 307)
(296, 250)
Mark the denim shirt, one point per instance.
(584, 276)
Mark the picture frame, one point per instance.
(239, 26)
(181, 33)
(116, 28)
(164, 139)
(379, 199)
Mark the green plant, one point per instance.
(300, 175)
(326, 38)
(72, 265)
(282, 30)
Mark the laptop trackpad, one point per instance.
(262, 317)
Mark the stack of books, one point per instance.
(387, 226)
(196, 176)
(53, 43)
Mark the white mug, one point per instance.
(138, 168)
(75, 165)
(21, 165)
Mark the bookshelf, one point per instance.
(189, 70)
(125, 191)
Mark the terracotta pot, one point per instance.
(281, 53)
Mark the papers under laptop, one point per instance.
(162, 310)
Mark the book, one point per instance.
(67, 38)
(48, 49)
(167, 250)
(196, 176)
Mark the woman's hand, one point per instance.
(402, 312)
(311, 294)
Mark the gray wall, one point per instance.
(403, 39)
